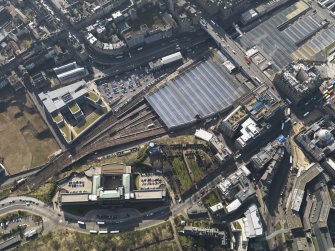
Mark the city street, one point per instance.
(237, 54)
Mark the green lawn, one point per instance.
(147, 239)
(89, 120)
(66, 130)
(74, 107)
(198, 172)
(142, 154)
(211, 199)
(137, 181)
(199, 223)
(237, 225)
(181, 171)
(45, 192)
(57, 117)
(93, 96)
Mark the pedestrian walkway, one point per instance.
(175, 234)
(280, 231)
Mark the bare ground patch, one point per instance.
(21, 143)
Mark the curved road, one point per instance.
(56, 220)
(133, 220)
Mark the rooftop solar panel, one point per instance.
(203, 90)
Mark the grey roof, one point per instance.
(323, 237)
(74, 73)
(203, 90)
(303, 28)
(64, 68)
(9, 242)
(54, 100)
(281, 44)
(3, 35)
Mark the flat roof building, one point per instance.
(223, 153)
(217, 207)
(236, 186)
(253, 118)
(172, 58)
(58, 99)
(235, 204)
(114, 184)
(272, 151)
(203, 134)
(298, 192)
(269, 158)
(252, 223)
(248, 133)
(299, 81)
(207, 233)
(318, 139)
(319, 214)
(231, 124)
(64, 105)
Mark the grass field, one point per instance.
(25, 140)
(211, 199)
(163, 246)
(160, 236)
(190, 139)
(93, 96)
(128, 159)
(137, 182)
(93, 117)
(181, 172)
(197, 171)
(45, 192)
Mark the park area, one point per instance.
(182, 173)
(211, 199)
(190, 167)
(25, 140)
(157, 237)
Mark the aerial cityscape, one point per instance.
(167, 125)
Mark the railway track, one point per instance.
(107, 124)
(122, 124)
(126, 122)
(62, 163)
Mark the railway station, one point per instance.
(198, 93)
(291, 33)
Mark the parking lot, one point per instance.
(150, 181)
(25, 223)
(77, 184)
(119, 89)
